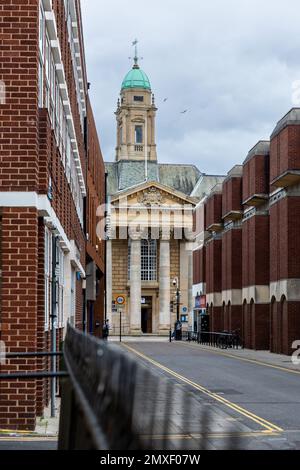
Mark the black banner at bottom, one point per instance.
(131, 460)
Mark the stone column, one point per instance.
(189, 253)
(164, 287)
(109, 280)
(135, 287)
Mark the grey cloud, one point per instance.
(231, 64)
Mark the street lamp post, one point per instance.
(176, 284)
(177, 302)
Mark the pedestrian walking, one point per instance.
(105, 330)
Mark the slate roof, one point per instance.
(205, 185)
(127, 173)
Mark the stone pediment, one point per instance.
(153, 194)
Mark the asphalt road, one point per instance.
(260, 402)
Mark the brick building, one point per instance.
(49, 157)
(247, 262)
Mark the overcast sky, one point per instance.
(230, 63)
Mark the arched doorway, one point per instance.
(229, 322)
(223, 323)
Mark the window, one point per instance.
(148, 260)
(121, 135)
(42, 31)
(138, 98)
(138, 134)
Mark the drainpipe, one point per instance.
(53, 324)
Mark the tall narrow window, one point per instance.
(148, 260)
(138, 134)
(42, 31)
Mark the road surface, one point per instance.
(257, 404)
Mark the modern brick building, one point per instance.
(247, 262)
(51, 177)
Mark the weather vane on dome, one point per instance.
(136, 58)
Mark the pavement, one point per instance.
(43, 438)
(252, 397)
(144, 338)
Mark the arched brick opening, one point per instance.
(229, 319)
(223, 327)
(273, 325)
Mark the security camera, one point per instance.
(174, 282)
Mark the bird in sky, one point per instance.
(183, 112)
(166, 99)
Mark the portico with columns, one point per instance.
(151, 246)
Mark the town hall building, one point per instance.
(151, 205)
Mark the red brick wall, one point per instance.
(213, 210)
(19, 295)
(19, 72)
(255, 251)
(284, 239)
(214, 266)
(232, 195)
(284, 151)
(96, 189)
(216, 319)
(256, 176)
(199, 266)
(232, 259)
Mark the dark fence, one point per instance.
(112, 401)
(221, 340)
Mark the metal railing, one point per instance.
(112, 401)
(222, 340)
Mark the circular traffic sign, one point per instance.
(120, 300)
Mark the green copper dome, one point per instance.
(136, 78)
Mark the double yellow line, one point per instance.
(269, 427)
(239, 358)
